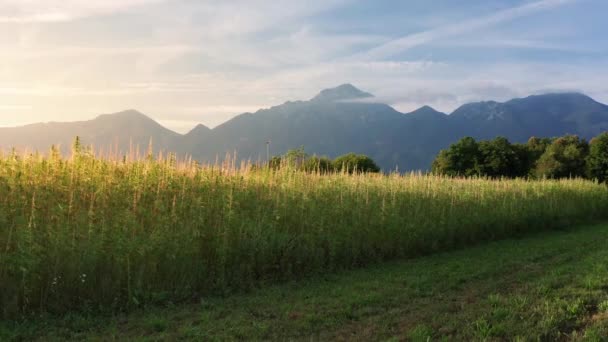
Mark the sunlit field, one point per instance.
(93, 234)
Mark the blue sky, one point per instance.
(185, 62)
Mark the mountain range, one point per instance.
(336, 121)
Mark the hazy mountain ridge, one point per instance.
(336, 121)
(116, 131)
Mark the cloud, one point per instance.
(14, 107)
(499, 42)
(413, 40)
(190, 61)
(236, 17)
(24, 11)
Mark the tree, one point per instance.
(355, 163)
(295, 157)
(565, 157)
(460, 159)
(529, 154)
(498, 158)
(317, 164)
(538, 146)
(597, 161)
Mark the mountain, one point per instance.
(324, 125)
(343, 92)
(541, 115)
(109, 131)
(336, 121)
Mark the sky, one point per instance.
(184, 62)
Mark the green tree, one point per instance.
(597, 162)
(498, 158)
(317, 164)
(460, 159)
(529, 154)
(525, 163)
(538, 146)
(565, 157)
(295, 157)
(355, 163)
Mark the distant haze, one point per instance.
(336, 121)
(184, 62)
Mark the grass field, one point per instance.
(111, 236)
(550, 286)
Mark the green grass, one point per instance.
(94, 235)
(551, 286)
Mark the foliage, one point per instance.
(498, 158)
(539, 288)
(299, 160)
(275, 162)
(317, 164)
(295, 158)
(536, 147)
(597, 162)
(460, 159)
(529, 153)
(564, 158)
(352, 163)
(91, 234)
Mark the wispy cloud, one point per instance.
(24, 11)
(189, 61)
(499, 42)
(399, 45)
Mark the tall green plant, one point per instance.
(91, 234)
(597, 162)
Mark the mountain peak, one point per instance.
(129, 114)
(426, 110)
(340, 93)
(426, 113)
(129, 119)
(199, 129)
(479, 110)
(558, 96)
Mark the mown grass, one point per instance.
(551, 286)
(95, 235)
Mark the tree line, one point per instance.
(300, 160)
(563, 157)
